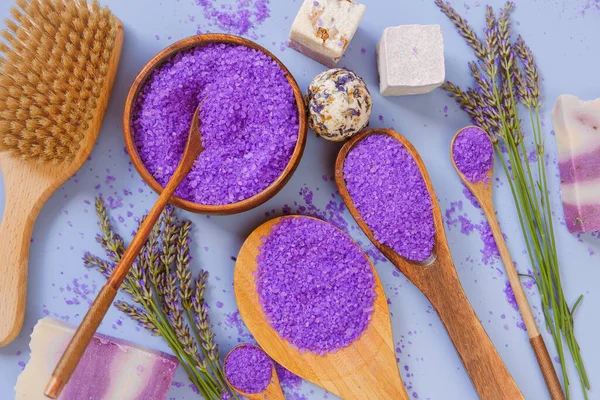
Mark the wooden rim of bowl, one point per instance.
(233, 208)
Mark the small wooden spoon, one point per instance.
(98, 309)
(437, 279)
(483, 193)
(273, 390)
(364, 370)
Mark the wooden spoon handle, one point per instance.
(536, 340)
(93, 318)
(481, 360)
(547, 368)
(74, 352)
(80, 341)
(511, 271)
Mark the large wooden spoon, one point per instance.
(72, 355)
(437, 279)
(364, 370)
(483, 193)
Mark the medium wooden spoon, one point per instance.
(483, 193)
(437, 279)
(98, 309)
(364, 370)
(273, 390)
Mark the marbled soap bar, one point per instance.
(110, 369)
(323, 28)
(577, 128)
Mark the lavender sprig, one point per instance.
(470, 101)
(463, 27)
(139, 315)
(504, 75)
(110, 241)
(532, 81)
(160, 283)
(202, 320)
(182, 259)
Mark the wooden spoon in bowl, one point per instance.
(98, 309)
(437, 279)
(483, 193)
(272, 391)
(364, 370)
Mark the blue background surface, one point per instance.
(564, 37)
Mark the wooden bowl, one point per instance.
(224, 209)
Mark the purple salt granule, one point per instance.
(240, 17)
(473, 154)
(248, 122)
(389, 192)
(248, 369)
(316, 286)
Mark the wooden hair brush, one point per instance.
(57, 70)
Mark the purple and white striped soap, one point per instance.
(577, 128)
(110, 368)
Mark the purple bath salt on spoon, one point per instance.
(473, 154)
(391, 196)
(251, 372)
(315, 285)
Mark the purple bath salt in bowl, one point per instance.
(315, 285)
(248, 122)
(389, 192)
(473, 154)
(248, 369)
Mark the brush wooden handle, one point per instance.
(481, 360)
(24, 199)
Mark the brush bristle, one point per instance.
(54, 57)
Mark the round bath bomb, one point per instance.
(339, 104)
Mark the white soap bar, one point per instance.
(323, 29)
(577, 129)
(110, 369)
(410, 59)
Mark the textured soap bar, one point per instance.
(577, 128)
(323, 28)
(109, 370)
(410, 59)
